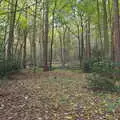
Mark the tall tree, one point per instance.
(13, 9)
(82, 38)
(116, 32)
(105, 29)
(25, 42)
(34, 37)
(52, 40)
(99, 25)
(45, 40)
(88, 45)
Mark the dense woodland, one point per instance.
(64, 56)
(40, 33)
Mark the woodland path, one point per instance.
(58, 95)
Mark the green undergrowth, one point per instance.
(104, 76)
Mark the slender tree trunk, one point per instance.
(61, 50)
(116, 34)
(105, 29)
(88, 46)
(99, 27)
(18, 40)
(53, 19)
(40, 44)
(82, 40)
(25, 44)
(4, 48)
(110, 14)
(110, 26)
(43, 34)
(64, 45)
(12, 27)
(24, 49)
(31, 48)
(34, 38)
(79, 50)
(19, 59)
(45, 41)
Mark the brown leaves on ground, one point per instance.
(52, 96)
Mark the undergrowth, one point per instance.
(104, 76)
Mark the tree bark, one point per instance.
(99, 27)
(53, 19)
(116, 33)
(11, 28)
(34, 38)
(88, 46)
(45, 41)
(25, 42)
(79, 48)
(105, 30)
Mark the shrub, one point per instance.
(99, 82)
(88, 64)
(96, 57)
(105, 76)
(8, 65)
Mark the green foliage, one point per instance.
(88, 64)
(22, 21)
(99, 82)
(103, 66)
(112, 106)
(8, 65)
(105, 76)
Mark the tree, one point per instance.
(105, 29)
(45, 39)
(52, 40)
(34, 37)
(13, 9)
(25, 42)
(116, 32)
(99, 25)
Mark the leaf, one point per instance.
(22, 21)
(69, 117)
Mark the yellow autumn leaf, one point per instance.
(69, 117)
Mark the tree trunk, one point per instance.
(53, 19)
(78, 36)
(116, 34)
(99, 27)
(25, 45)
(11, 28)
(34, 38)
(105, 30)
(82, 40)
(64, 45)
(61, 49)
(45, 41)
(88, 46)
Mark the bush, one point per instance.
(96, 57)
(98, 82)
(105, 76)
(8, 65)
(88, 64)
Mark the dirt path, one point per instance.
(51, 96)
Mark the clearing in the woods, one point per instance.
(58, 95)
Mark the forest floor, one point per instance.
(57, 95)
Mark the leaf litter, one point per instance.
(58, 95)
